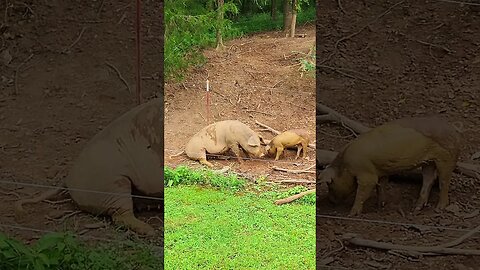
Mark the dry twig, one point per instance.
(18, 70)
(306, 170)
(119, 76)
(294, 197)
(424, 250)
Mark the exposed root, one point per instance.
(296, 181)
(329, 115)
(306, 170)
(424, 250)
(294, 197)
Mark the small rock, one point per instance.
(472, 214)
(453, 208)
(6, 57)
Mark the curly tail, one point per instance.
(178, 154)
(19, 210)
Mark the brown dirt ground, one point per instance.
(65, 99)
(255, 78)
(407, 78)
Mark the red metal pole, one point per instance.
(139, 61)
(208, 103)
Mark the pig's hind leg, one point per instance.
(299, 149)
(429, 175)
(120, 208)
(201, 156)
(304, 148)
(381, 196)
(444, 169)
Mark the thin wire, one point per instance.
(460, 2)
(80, 190)
(393, 223)
(333, 267)
(246, 158)
(23, 228)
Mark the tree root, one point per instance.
(306, 170)
(294, 197)
(443, 249)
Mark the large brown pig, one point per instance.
(288, 139)
(219, 137)
(365, 163)
(122, 160)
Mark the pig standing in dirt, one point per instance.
(125, 158)
(219, 137)
(289, 139)
(366, 162)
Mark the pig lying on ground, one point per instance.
(126, 157)
(366, 162)
(289, 139)
(219, 137)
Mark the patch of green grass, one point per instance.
(214, 229)
(64, 251)
(186, 176)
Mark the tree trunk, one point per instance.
(274, 10)
(220, 24)
(287, 16)
(294, 18)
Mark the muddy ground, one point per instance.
(256, 78)
(420, 58)
(64, 97)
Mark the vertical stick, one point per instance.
(139, 61)
(208, 102)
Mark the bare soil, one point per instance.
(420, 58)
(255, 78)
(65, 98)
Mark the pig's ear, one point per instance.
(262, 140)
(327, 175)
(252, 141)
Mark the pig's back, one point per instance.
(436, 128)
